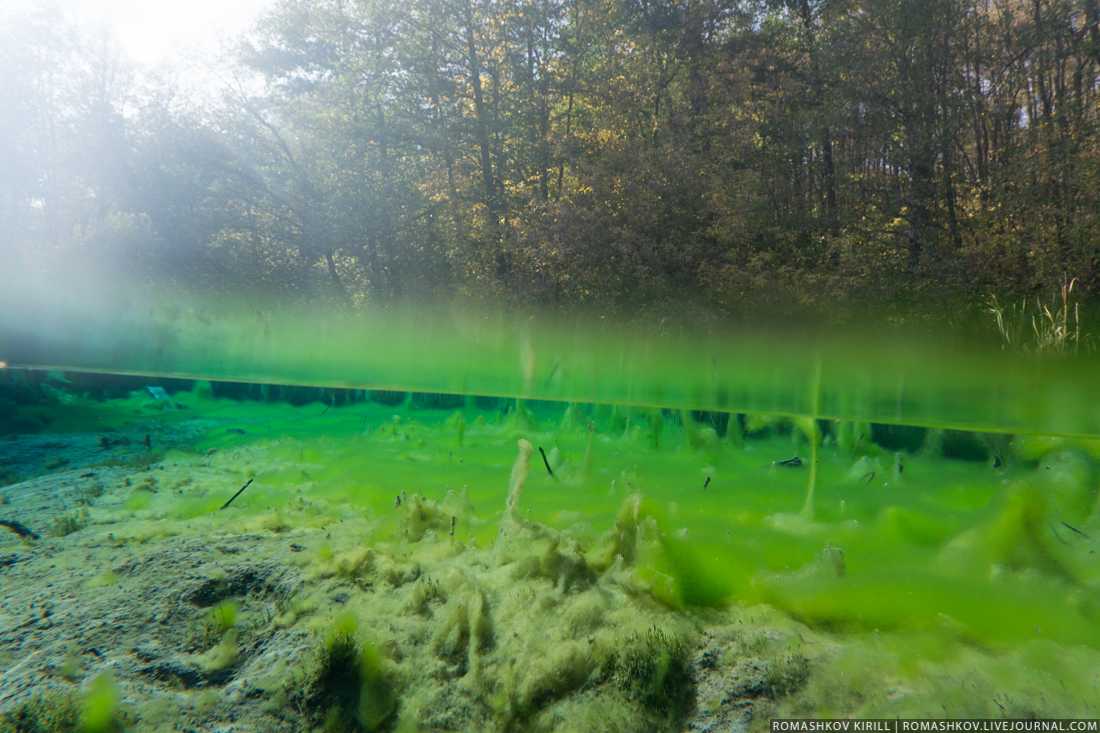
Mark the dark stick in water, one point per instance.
(546, 462)
(239, 492)
(1073, 529)
(706, 483)
(20, 529)
(790, 462)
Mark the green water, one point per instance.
(877, 373)
(928, 542)
(981, 537)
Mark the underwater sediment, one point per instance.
(403, 562)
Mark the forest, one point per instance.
(630, 156)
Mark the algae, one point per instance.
(416, 574)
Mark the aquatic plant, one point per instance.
(735, 431)
(423, 515)
(466, 633)
(457, 422)
(70, 522)
(701, 438)
(99, 711)
(222, 655)
(520, 420)
(47, 712)
(345, 686)
(652, 668)
(221, 618)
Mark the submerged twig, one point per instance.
(546, 462)
(239, 492)
(1073, 529)
(794, 462)
(19, 528)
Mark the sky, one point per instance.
(158, 32)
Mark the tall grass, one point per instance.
(1036, 326)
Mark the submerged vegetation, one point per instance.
(381, 575)
(709, 519)
(345, 687)
(93, 711)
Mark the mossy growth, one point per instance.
(347, 687)
(66, 524)
(652, 669)
(423, 516)
(51, 712)
(222, 655)
(96, 711)
(221, 619)
(99, 712)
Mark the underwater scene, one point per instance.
(183, 554)
(549, 366)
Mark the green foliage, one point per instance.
(863, 151)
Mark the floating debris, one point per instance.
(794, 462)
(706, 482)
